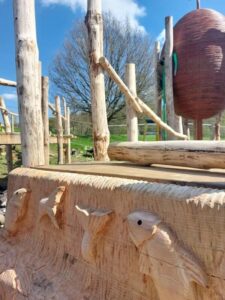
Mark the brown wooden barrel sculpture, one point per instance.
(199, 83)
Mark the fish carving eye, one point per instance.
(139, 222)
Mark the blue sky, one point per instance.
(56, 17)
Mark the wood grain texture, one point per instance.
(101, 135)
(43, 262)
(28, 83)
(193, 154)
(155, 173)
(173, 268)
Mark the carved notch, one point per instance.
(172, 268)
(49, 206)
(94, 223)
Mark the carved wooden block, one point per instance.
(94, 223)
(172, 268)
(46, 263)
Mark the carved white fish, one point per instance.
(94, 222)
(16, 210)
(49, 206)
(172, 268)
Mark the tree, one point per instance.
(122, 44)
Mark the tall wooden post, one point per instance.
(59, 129)
(12, 123)
(198, 4)
(132, 119)
(172, 119)
(217, 126)
(94, 25)
(157, 94)
(198, 130)
(67, 132)
(6, 121)
(28, 83)
(45, 88)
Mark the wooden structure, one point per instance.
(172, 119)
(195, 154)
(132, 119)
(94, 25)
(10, 138)
(199, 45)
(107, 230)
(97, 236)
(28, 83)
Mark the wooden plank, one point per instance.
(196, 154)
(155, 173)
(14, 139)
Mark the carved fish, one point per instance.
(16, 210)
(172, 268)
(49, 206)
(94, 222)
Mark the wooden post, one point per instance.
(45, 89)
(198, 4)
(132, 119)
(157, 94)
(6, 121)
(172, 119)
(101, 134)
(12, 123)
(67, 132)
(198, 130)
(136, 102)
(217, 127)
(28, 87)
(59, 129)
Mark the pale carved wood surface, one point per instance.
(41, 261)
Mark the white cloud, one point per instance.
(162, 37)
(9, 96)
(121, 9)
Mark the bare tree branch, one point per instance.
(122, 44)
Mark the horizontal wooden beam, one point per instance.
(193, 154)
(14, 139)
(6, 82)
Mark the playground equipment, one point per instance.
(199, 44)
(10, 138)
(111, 230)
